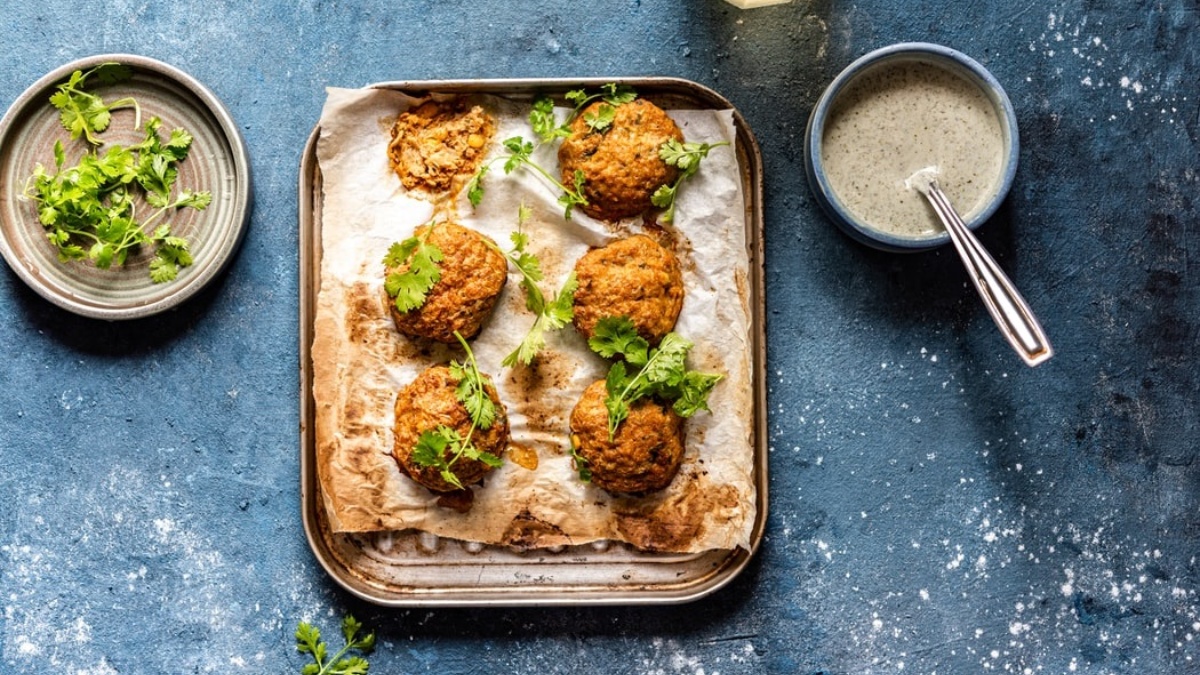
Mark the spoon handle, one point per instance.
(1008, 309)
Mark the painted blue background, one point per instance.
(936, 506)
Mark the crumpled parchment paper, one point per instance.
(360, 360)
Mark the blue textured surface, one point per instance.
(936, 506)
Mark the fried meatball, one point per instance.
(429, 402)
(634, 277)
(436, 142)
(621, 167)
(645, 454)
(473, 273)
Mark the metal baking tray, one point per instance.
(411, 569)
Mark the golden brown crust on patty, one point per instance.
(646, 452)
(620, 165)
(634, 277)
(473, 274)
(429, 402)
(435, 142)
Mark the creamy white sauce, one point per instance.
(898, 118)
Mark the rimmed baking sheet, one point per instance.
(412, 568)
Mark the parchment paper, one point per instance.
(360, 360)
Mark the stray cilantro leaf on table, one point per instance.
(660, 372)
(409, 288)
(685, 157)
(308, 641)
(444, 446)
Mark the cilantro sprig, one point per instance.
(546, 128)
(90, 210)
(85, 114)
(409, 287)
(685, 157)
(444, 446)
(644, 371)
(308, 641)
(551, 315)
(520, 153)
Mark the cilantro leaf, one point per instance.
(541, 119)
(472, 389)
(308, 641)
(577, 97)
(581, 465)
(660, 372)
(475, 186)
(616, 94)
(84, 114)
(414, 270)
(685, 157)
(611, 93)
(551, 317)
(617, 336)
(602, 119)
(694, 391)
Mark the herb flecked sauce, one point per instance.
(900, 117)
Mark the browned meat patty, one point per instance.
(645, 454)
(436, 142)
(621, 166)
(473, 274)
(429, 402)
(634, 277)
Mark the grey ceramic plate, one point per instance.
(217, 162)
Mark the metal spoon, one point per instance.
(1009, 310)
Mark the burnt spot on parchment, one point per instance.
(368, 325)
(459, 500)
(527, 531)
(665, 523)
(550, 372)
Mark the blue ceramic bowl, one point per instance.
(926, 54)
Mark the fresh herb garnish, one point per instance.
(475, 186)
(541, 117)
(83, 113)
(659, 372)
(520, 153)
(611, 93)
(551, 315)
(685, 157)
(581, 465)
(546, 129)
(444, 446)
(308, 641)
(410, 288)
(92, 204)
(602, 119)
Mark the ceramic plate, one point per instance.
(217, 162)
